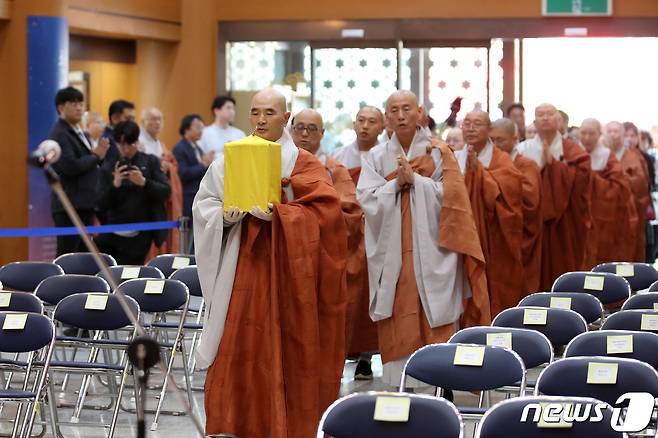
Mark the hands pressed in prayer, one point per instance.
(471, 160)
(546, 152)
(405, 172)
(260, 214)
(233, 216)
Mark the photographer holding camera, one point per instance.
(135, 190)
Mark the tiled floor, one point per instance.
(181, 426)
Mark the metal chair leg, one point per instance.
(115, 414)
(154, 425)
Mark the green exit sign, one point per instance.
(576, 7)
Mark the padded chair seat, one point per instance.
(471, 410)
(15, 393)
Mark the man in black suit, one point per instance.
(135, 191)
(78, 166)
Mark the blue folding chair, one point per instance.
(170, 295)
(588, 306)
(122, 273)
(641, 346)
(611, 290)
(35, 337)
(13, 301)
(53, 289)
(653, 287)
(26, 276)
(573, 376)
(435, 365)
(353, 417)
(647, 301)
(190, 277)
(170, 263)
(560, 327)
(533, 347)
(101, 320)
(634, 319)
(639, 277)
(82, 263)
(503, 420)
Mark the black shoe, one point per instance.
(448, 395)
(363, 370)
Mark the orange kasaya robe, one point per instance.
(532, 222)
(496, 199)
(173, 208)
(636, 169)
(566, 207)
(614, 219)
(361, 329)
(281, 356)
(407, 329)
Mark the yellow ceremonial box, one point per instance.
(252, 173)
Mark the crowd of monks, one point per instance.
(391, 243)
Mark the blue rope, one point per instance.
(68, 231)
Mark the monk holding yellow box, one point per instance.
(274, 282)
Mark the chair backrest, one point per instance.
(639, 275)
(533, 347)
(588, 306)
(353, 416)
(20, 302)
(634, 319)
(170, 263)
(53, 289)
(154, 295)
(503, 420)
(610, 289)
(647, 300)
(37, 332)
(604, 378)
(26, 276)
(122, 273)
(435, 365)
(75, 310)
(82, 263)
(190, 277)
(653, 287)
(641, 346)
(559, 325)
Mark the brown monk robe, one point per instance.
(566, 196)
(425, 264)
(636, 170)
(281, 347)
(362, 331)
(614, 218)
(495, 190)
(307, 132)
(504, 135)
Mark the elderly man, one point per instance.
(494, 187)
(307, 132)
(503, 134)
(636, 169)
(614, 217)
(425, 264)
(274, 283)
(566, 198)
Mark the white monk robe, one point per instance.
(440, 280)
(349, 156)
(212, 244)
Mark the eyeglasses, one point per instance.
(476, 125)
(311, 129)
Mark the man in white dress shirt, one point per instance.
(221, 132)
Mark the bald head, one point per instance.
(589, 134)
(152, 121)
(546, 121)
(269, 114)
(614, 131)
(368, 124)
(504, 134)
(455, 139)
(402, 115)
(307, 130)
(476, 126)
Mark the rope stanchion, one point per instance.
(97, 229)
